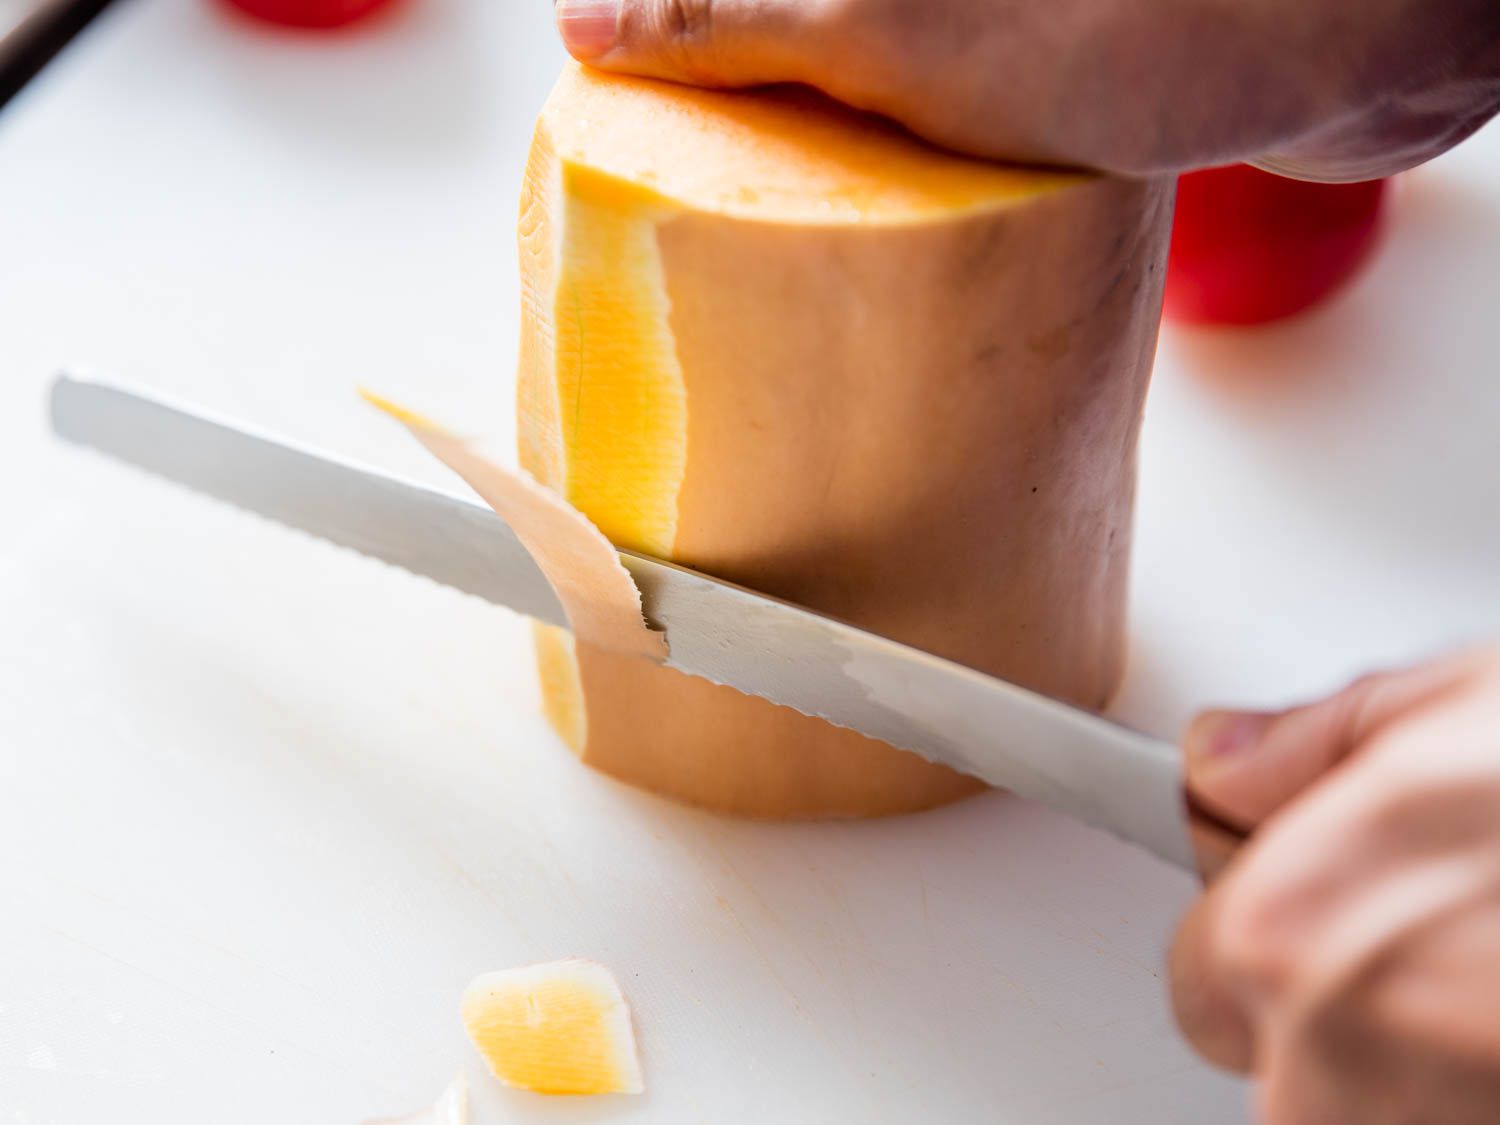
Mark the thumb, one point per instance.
(705, 42)
(1243, 766)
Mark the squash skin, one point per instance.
(927, 429)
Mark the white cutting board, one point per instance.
(265, 807)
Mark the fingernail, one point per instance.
(588, 26)
(1225, 734)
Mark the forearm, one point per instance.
(1325, 89)
(1432, 107)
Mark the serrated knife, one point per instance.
(1078, 763)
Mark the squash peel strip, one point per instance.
(601, 600)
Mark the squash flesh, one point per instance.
(622, 409)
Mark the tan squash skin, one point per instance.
(927, 430)
(940, 447)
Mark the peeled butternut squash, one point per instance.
(792, 346)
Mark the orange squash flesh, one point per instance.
(790, 345)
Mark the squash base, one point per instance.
(712, 747)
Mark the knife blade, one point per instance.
(1043, 750)
(33, 31)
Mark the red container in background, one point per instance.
(1250, 247)
(308, 13)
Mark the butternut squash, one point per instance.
(790, 345)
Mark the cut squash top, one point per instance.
(785, 155)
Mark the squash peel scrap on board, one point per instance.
(556, 1028)
(596, 591)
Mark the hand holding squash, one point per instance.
(1320, 89)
